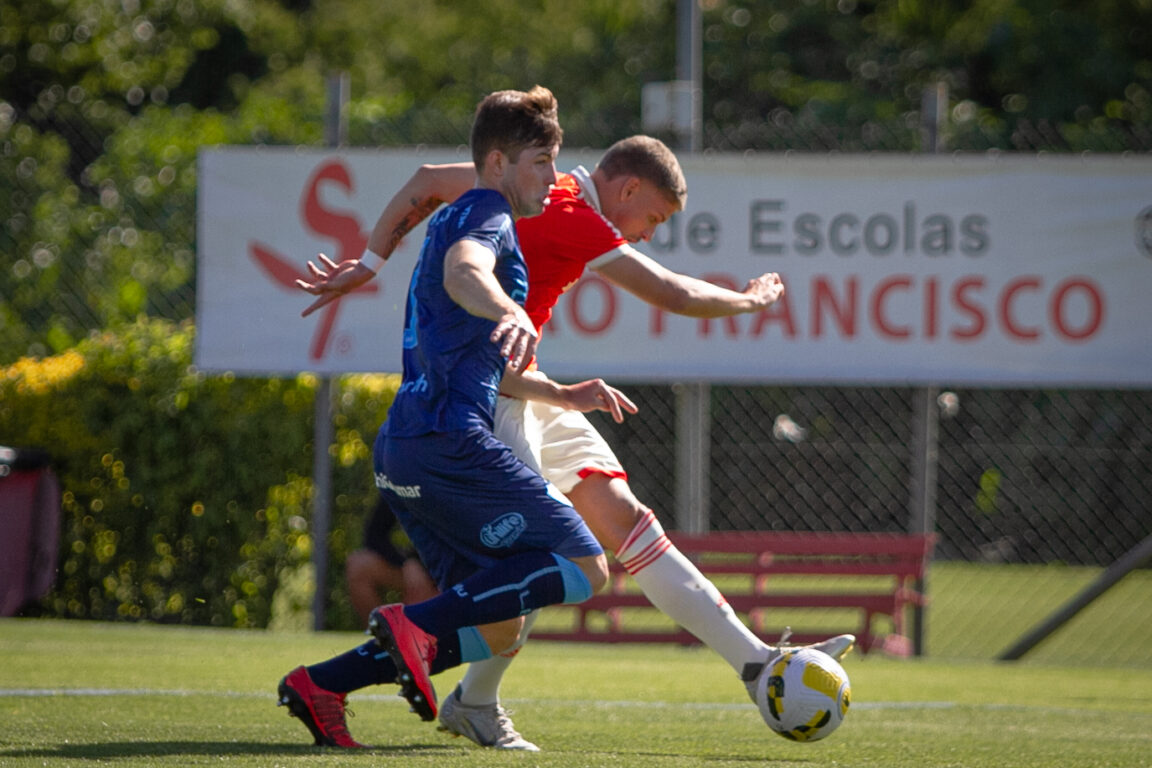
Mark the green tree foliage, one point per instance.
(187, 497)
(1081, 72)
(104, 105)
(421, 68)
(102, 109)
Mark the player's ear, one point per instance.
(629, 188)
(496, 162)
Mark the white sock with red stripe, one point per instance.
(675, 586)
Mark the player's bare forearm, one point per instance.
(389, 232)
(684, 295)
(585, 396)
(422, 194)
(693, 297)
(530, 385)
(700, 298)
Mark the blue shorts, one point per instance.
(467, 502)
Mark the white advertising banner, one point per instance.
(984, 270)
(262, 215)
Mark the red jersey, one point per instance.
(569, 235)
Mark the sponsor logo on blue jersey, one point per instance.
(419, 386)
(502, 531)
(405, 491)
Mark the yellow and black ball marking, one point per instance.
(806, 731)
(824, 681)
(776, 686)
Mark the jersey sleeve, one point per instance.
(559, 243)
(485, 225)
(575, 232)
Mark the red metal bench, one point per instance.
(873, 575)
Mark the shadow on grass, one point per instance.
(703, 759)
(175, 749)
(128, 749)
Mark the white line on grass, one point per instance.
(692, 705)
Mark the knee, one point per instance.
(596, 571)
(609, 508)
(503, 635)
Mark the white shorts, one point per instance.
(561, 445)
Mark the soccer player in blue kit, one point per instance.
(496, 537)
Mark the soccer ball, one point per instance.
(803, 694)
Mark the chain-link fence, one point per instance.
(1023, 476)
(1035, 491)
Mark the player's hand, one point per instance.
(765, 290)
(517, 337)
(333, 281)
(596, 395)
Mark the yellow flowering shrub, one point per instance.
(187, 497)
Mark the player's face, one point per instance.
(641, 209)
(529, 178)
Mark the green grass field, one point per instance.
(85, 694)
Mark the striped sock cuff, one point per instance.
(644, 544)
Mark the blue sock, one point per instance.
(364, 665)
(367, 664)
(511, 588)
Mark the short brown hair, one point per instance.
(512, 121)
(648, 159)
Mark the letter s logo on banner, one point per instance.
(342, 228)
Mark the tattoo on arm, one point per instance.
(420, 211)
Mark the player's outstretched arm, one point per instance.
(430, 186)
(585, 396)
(683, 295)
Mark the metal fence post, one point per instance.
(689, 69)
(335, 134)
(925, 415)
(922, 501)
(693, 435)
(693, 414)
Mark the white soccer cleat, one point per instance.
(837, 647)
(487, 725)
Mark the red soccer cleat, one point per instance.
(322, 711)
(411, 649)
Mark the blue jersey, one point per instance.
(452, 371)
